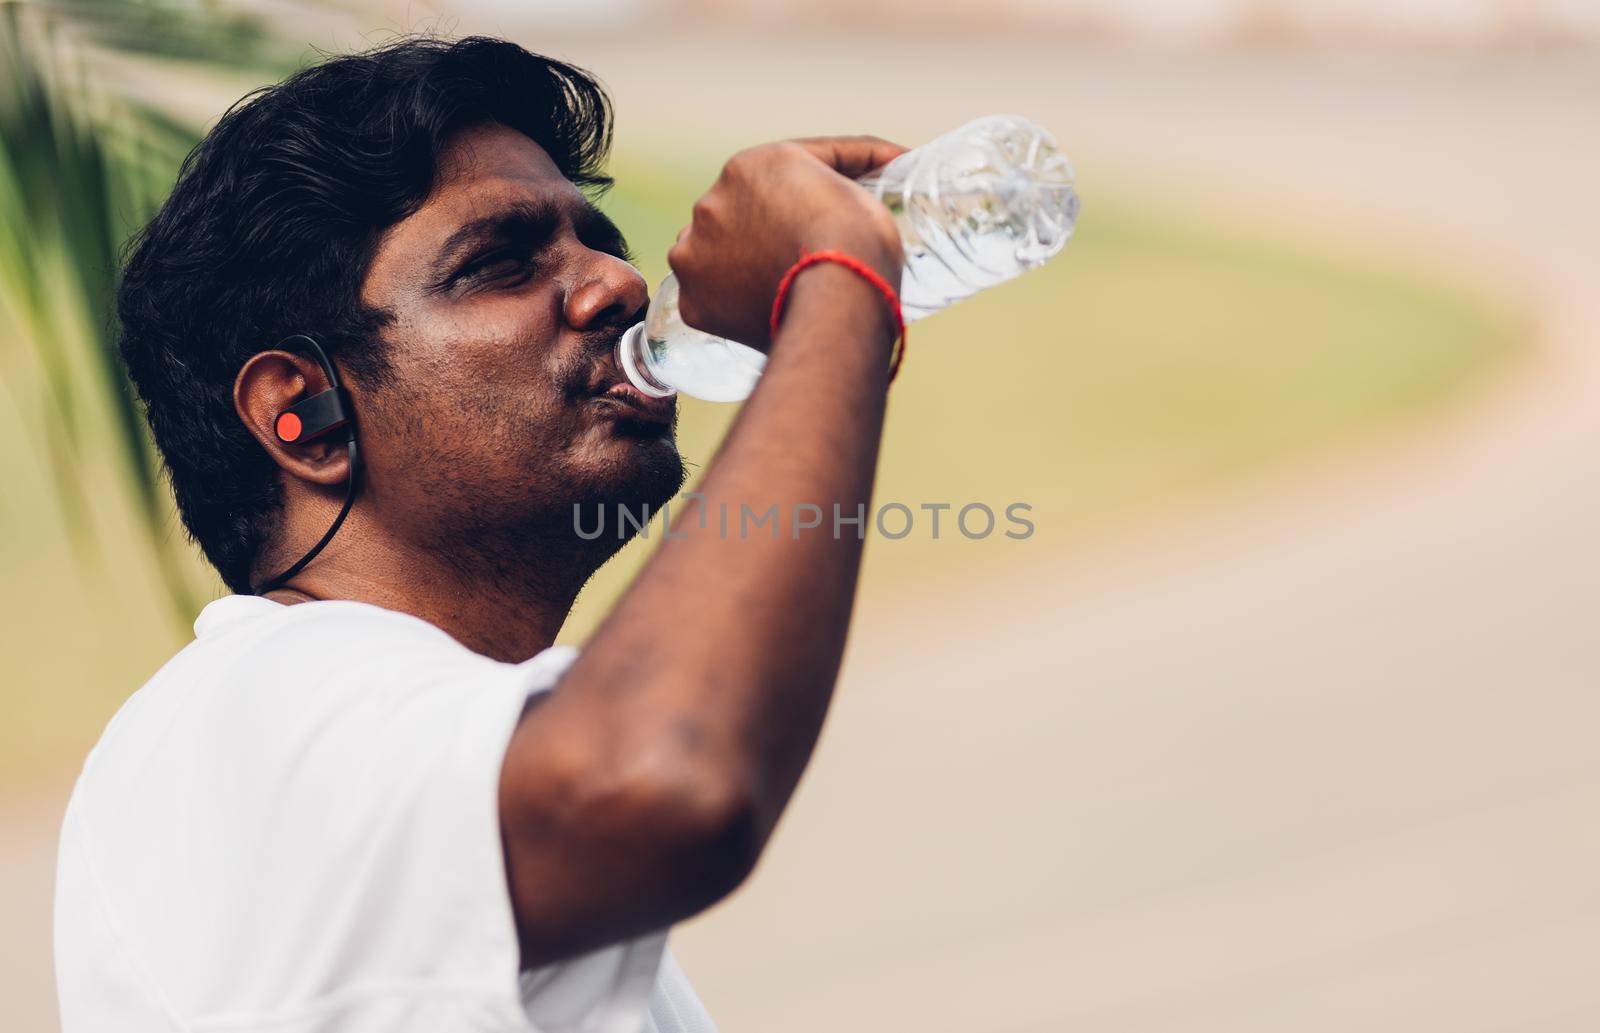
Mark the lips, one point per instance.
(607, 387)
(636, 403)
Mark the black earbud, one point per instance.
(312, 417)
(322, 413)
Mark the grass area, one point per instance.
(1161, 353)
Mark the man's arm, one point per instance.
(644, 787)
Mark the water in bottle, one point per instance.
(976, 207)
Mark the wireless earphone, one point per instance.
(322, 413)
(311, 417)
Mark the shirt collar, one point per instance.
(221, 612)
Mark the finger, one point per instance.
(852, 155)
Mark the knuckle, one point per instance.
(740, 161)
(753, 161)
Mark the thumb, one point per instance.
(852, 156)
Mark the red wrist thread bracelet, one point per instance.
(861, 269)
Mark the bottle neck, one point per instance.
(634, 360)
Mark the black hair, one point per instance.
(270, 230)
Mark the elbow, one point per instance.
(673, 831)
(710, 834)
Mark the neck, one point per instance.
(504, 600)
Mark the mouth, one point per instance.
(631, 403)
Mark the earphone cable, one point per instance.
(333, 528)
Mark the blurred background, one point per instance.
(1282, 719)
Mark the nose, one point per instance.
(609, 292)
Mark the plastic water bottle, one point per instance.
(976, 207)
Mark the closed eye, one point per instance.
(496, 265)
(516, 238)
(497, 244)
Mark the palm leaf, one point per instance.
(79, 172)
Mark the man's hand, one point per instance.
(770, 204)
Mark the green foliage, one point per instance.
(169, 28)
(79, 172)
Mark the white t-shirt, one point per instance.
(294, 827)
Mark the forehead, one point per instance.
(481, 169)
(488, 158)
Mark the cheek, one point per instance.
(494, 370)
(506, 338)
(440, 427)
(488, 396)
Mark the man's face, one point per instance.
(508, 292)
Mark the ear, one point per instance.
(271, 382)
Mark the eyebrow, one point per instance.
(595, 229)
(534, 220)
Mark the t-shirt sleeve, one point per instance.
(332, 856)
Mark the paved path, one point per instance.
(1320, 758)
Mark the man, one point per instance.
(375, 798)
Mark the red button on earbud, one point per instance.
(288, 426)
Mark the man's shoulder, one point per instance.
(259, 674)
(326, 772)
(322, 696)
